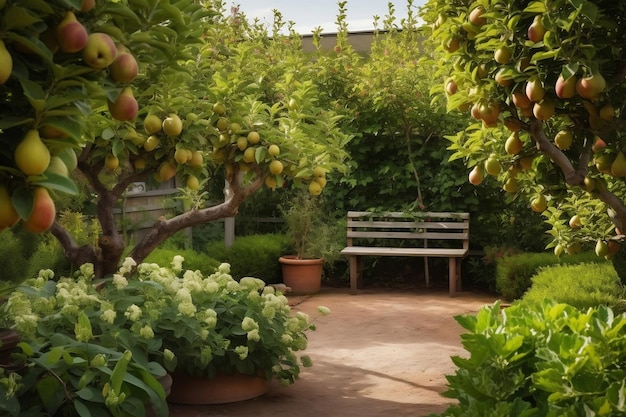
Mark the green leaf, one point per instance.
(81, 408)
(16, 17)
(536, 7)
(57, 182)
(22, 200)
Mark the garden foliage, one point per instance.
(540, 360)
(514, 273)
(583, 285)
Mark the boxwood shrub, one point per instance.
(514, 273)
(193, 260)
(540, 359)
(584, 285)
(253, 256)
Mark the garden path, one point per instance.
(382, 353)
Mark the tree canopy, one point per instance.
(544, 82)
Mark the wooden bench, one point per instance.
(424, 234)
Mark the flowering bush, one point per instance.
(164, 317)
(210, 324)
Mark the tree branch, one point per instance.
(164, 228)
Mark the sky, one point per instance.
(309, 14)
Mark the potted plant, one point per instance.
(199, 328)
(313, 237)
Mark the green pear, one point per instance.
(6, 63)
(57, 166)
(32, 156)
(71, 34)
(618, 167)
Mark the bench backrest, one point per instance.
(429, 228)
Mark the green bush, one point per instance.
(582, 286)
(253, 256)
(536, 360)
(193, 260)
(514, 273)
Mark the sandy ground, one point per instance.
(380, 353)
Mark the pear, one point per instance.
(618, 167)
(43, 212)
(100, 51)
(32, 156)
(8, 214)
(6, 63)
(125, 106)
(124, 69)
(71, 34)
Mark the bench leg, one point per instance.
(426, 273)
(356, 271)
(459, 283)
(452, 278)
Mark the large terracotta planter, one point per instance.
(303, 276)
(221, 389)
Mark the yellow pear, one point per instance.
(618, 167)
(8, 214)
(6, 63)
(32, 156)
(172, 125)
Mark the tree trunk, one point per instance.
(107, 256)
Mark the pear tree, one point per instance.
(110, 93)
(545, 84)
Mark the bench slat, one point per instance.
(406, 235)
(407, 224)
(428, 252)
(400, 214)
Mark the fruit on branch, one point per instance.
(618, 167)
(544, 109)
(492, 165)
(151, 143)
(574, 222)
(125, 106)
(476, 175)
(475, 16)
(152, 123)
(182, 155)
(315, 188)
(57, 166)
(6, 63)
(563, 139)
(196, 159)
(172, 125)
(71, 34)
(87, 6)
(534, 89)
(565, 88)
(276, 167)
(503, 55)
(125, 68)
(100, 51)
(32, 156)
(43, 212)
(513, 144)
(8, 214)
(273, 150)
(111, 162)
(536, 31)
(192, 182)
(167, 171)
(590, 87)
(539, 204)
(254, 138)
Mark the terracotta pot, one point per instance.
(303, 276)
(221, 389)
(8, 342)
